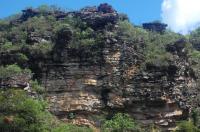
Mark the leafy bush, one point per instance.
(40, 50)
(195, 116)
(36, 87)
(40, 25)
(12, 70)
(20, 113)
(23, 114)
(71, 128)
(120, 123)
(154, 128)
(4, 25)
(84, 37)
(157, 56)
(17, 35)
(155, 48)
(194, 37)
(187, 126)
(8, 46)
(9, 70)
(43, 9)
(195, 55)
(22, 58)
(63, 33)
(130, 33)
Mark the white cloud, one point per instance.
(181, 16)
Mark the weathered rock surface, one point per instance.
(17, 81)
(98, 17)
(29, 13)
(157, 94)
(109, 78)
(155, 26)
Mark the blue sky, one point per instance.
(139, 11)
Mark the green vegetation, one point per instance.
(21, 113)
(129, 33)
(36, 87)
(155, 50)
(71, 128)
(192, 125)
(41, 49)
(4, 25)
(187, 126)
(12, 70)
(195, 117)
(30, 44)
(22, 58)
(194, 36)
(121, 123)
(8, 47)
(195, 55)
(36, 37)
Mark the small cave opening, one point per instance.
(172, 70)
(155, 103)
(105, 95)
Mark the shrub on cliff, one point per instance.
(129, 33)
(40, 50)
(37, 88)
(11, 70)
(21, 58)
(195, 117)
(187, 126)
(194, 38)
(194, 57)
(8, 47)
(158, 57)
(71, 128)
(155, 48)
(4, 25)
(120, 123)
(21, 113)
(83, 37)
(17, 35)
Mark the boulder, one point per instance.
(20, 81)
(98, 17)
(27, 13)
(106, 8)
(155, 27)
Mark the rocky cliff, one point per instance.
(111, 76)
(157, 95)
(116, 82)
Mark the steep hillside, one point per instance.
(94, 63)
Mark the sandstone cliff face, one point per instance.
(116, 81)
(110, 77)
(156, 95)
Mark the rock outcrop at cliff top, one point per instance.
(98, 17)
(28, 13)
(155, 26)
